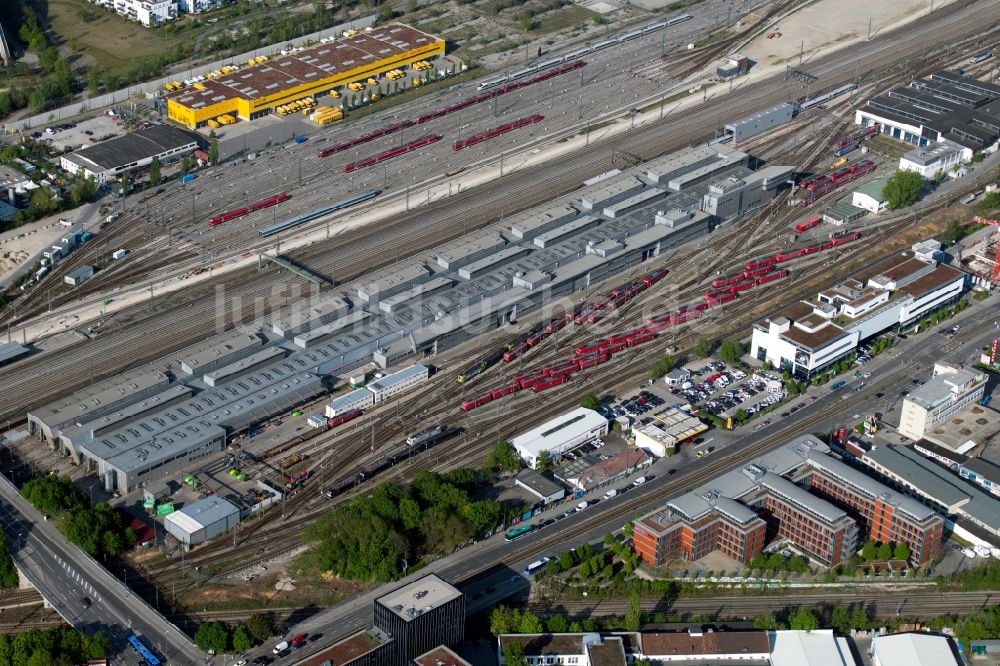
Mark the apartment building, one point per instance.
(950, 391)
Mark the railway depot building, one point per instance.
(943, 107)
(107, 160)
(797, 492)
(144, 425)
(807, 337)
(254, 91)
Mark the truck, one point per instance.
(188, 177)
(119, 254)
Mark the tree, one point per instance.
(590, 401)
(566, 561)
(585, 570)
(902, 189)
(840, 620)
(542, 462)
(387, 13)
(902, 551)
(8, 573)
(860, 618)
(663, 365)
(731, 351)
(633, 616)
(154, 172)
(702, 348)
(100, 645)
(213, 151)
(884, 552)
(126, 181)
(740, 415)
(868, 551)
(503, 457)
(767, 621)
(530, 623)
(513, 654)
(212, 636)
(500, 621)
(803, 619)
(260, 627)
(241, 639)
(187, 165)
(557, 624)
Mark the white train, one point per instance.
(579, 53)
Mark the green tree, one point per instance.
(767, 621)
(241, 639)
(860, 619)
(901, 552)
(212, 636)
(530, 624)
(93, 81)
(187, 164)
(868, 553)
(663, 365)
(513, 654)
(633, 616)
(584, 570)
(503, 457)
(8, 573)
(803, 619)
(884, 552)
(100, 645)
(566, 561)
(740, 415)
(731, 351)
(126, 182)
(902, 189)
(500, 621)
(543, 463)
(557, 624)
(702, 348)
(154, 172)
(260, 627)
(840, 620)
(387, 13)
(213, 151)
(590, 401)
(608, 572)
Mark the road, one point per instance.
(65, 576)
(912, 359)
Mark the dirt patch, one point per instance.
(829, 23)
(263, 593)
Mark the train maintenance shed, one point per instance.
(106, 160)
(254, 91)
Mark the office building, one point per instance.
(950, 391)
(419, 617)
(933, 160)
(807, 337)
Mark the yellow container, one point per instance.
(211, 123)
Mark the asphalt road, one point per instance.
(65, 576)
(893, 371)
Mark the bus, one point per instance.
(535, 567)
(985, 55)
(147, 657)
(518, 532)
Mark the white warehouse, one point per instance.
(361, 398)
(202, 520)
(399, 382)
(560, 435)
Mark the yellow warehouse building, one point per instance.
(256, 91)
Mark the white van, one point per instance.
(582, 505)
(638, 482)
(611, 493)
(283, 645)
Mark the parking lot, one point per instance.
(724, 390)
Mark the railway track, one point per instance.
(425, 229)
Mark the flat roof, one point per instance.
(347, 650)
(415, 370)
(126, 413)
(913, 650)
(874, 188)
(132, 147)
(937, 278)
(201, 514)
(117, 389)
(539, 483)
(497, 259)
(815, 339)
(818, 647)
(440, 656)
(806, 500)
(253, 360)
(394, 278)
(566, 644)
(348, 399)
(575, 226)
(419, 597)
(220, 349)
(609, 652)
(562, 428)
(306, 66)
(469, 248)
(308, 313)
(921, 473)
(940, 387)
(336, 326)
(11, 350)
(704, 644)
